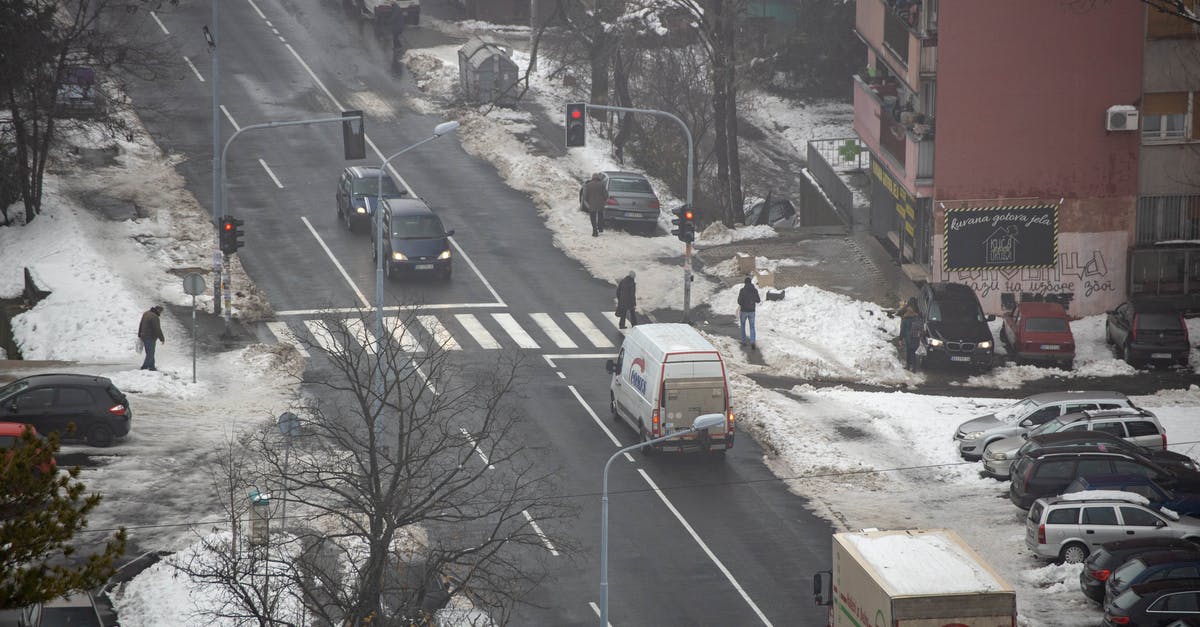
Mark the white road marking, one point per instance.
(475, 328)
(194, 70)
(328, 252)
(270, 24)
(356, 329)
(284, 335)
(556, 334)
(704, 547)
(230, 118)
(271, 174)
(600, 423)
(260, 13)
(462, 253)
(589, 330)
(388, 309)
(440, 334)
(467, 435)
(514, 330)
(408, 339)
(324, 339)
(538, 530)
(614, 319)
(596, 609)
(160, 24)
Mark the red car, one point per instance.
(10, 438)
(1039, 332)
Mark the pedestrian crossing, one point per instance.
(574, 330)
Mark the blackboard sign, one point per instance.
(1001, 237)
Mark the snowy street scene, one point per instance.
(669, 312)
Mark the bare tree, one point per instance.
(408, 486)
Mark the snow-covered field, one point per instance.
(864, 459)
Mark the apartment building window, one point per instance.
(1169, 117)
(1167, 218)
(1160, 25)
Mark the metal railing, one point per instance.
(828, 157)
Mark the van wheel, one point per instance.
(612, 407)
(100, 435)
(1073, 553)
(648, 451)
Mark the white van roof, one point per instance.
(660, 340)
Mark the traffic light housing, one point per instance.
(231, 234)
(684, 223)
(576, 124)
(354, 135)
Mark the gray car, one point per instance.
(1138, 426)
(1069, 527)
(631, 200)
(973, 436)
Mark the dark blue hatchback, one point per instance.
(414, 240)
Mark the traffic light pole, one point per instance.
(687, 251)
(221, 261)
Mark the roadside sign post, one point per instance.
(289, 426)
(193, 284)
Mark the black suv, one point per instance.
(955, 329)
(1047, 472)
(414, 240)
(51, 402)
(357, 191)
(1144, 332)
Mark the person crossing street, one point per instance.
(627, 299)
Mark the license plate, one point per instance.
(959, 358)
(1049, 347)
(1160, 355)
(632, 214)
(424, 266)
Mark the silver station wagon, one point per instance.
(1068, 528)
(974, 435)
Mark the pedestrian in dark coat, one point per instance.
(910, 332)
(595, 195)
(747, 301)
(150, 331)
(397, 24)
(627, 300)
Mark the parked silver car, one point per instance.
(1069, 527)
(974, 435)
(1138, 426)
(631, 200)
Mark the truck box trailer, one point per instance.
(913, 578)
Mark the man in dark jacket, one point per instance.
(627, 300)
(595, 195)
(747, 300)
(150, 331)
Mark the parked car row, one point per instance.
(415, 242)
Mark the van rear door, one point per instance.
(686, 399)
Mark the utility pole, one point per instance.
(210, 36)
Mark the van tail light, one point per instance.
(1041, 534)
(611, 201)
(655, 424)
(1133, 329)
(653, 204)
(729, 422)
(117, 410)
(1183, 323)
(1164, 437)
(1100, 575)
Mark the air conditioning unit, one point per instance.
(1121, 118)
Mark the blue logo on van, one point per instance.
(636, 379)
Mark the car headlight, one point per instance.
(360, 210)
(986, 344)
(445, 254)
(933, 341)
(974, 435)
(995, 456)
(399, 256)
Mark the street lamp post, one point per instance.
(702, 423)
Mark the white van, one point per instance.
(664, 377)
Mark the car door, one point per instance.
(1051, 476)
(1040, 416)
(619, 388)
(1099, 524)
(35, 407)
(1138, 522)
(1145, 433)
(73, 405)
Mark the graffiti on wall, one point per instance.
(1077, 275)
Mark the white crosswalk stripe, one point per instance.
(285, 336)
(357, 330)
(475, 328)
(557, 335)
(409, 342)
(514, 330)
(322, 336)
(441, 335)
(589, 330)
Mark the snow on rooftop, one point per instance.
(919, 563)
(1110, 495)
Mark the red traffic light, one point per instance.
(576, 114)
(228, 225)
(687, 214)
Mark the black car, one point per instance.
(1148, 332)
(1153, 566)
(955, 328)
(1155, 603)
(357, 192)
(414, 240)
(1170, 460)
(51, 402)
(1101, 564)
(1049, 471)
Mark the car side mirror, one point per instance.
(610, 366)
(991, 317)
(823, 588)
(450, 233)
(1159, 524)
(1025, 436)
(1026, 423)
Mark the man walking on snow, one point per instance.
(627, 300)
(747, 300)
(594, 198)
(150, 331)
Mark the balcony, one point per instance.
(902, 33)
(885, 121)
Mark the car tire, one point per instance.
(1127, 355)
(445, 277)
(612, 407)
(648, 451)
(387, 271)
(1068, 364)
(100, 436)
(1073, 553)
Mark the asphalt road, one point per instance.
(693, 541)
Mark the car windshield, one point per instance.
(1126, 599)
(1157, 322)
(370, 187)
(633, 186)
(1046, 325)
(955, 310)
(1016, 410)
(417, 227)
(1128, 572)
(9, 390)
(1052, 426)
